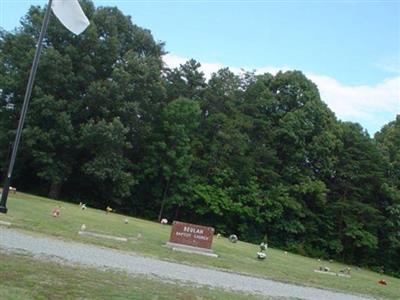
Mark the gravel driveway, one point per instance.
(90, 255)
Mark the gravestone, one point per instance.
(233, 238)
(191, 238)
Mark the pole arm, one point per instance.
(24, 109)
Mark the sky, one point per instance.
(350, 49)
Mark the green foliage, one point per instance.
(258, 156)
(170, 157)
(105, 168)
(186, 81)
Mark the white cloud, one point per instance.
(361, 100)
(208, 68)
(174, 61)
(370, 105)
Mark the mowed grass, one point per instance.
(34, 214)
(23, 278)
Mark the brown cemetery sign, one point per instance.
(191, 235)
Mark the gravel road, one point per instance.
(90, 255)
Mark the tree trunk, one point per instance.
(163, 201)
(340, 220)
(177, 212)
(55, 189)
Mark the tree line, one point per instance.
(260, 156)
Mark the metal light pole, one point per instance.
(6, 187)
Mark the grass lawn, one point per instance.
(34, 214)
(24, 278)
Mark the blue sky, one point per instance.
(351, 49)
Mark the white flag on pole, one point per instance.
(71, 15)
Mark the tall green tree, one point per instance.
(354, 190)
(105, 168)
(388, 141)
(76, 84)
(168, 163)
(186, 81)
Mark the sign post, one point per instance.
(191, 238)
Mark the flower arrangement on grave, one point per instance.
(263, 246)
(382, 281)
(324, 269)
(346, 271)
(261, 254)
(56, 212)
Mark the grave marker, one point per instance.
(191, 238)
(192, 235)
